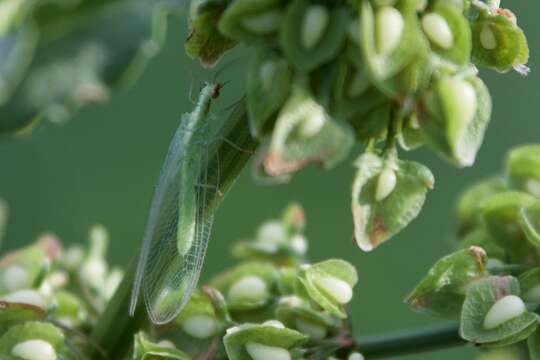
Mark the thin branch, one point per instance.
(410, 341)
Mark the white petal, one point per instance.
(200, 326)
(28, 296)
(389, 28)
(264, 352)
(248, 288)
(34, 350)
(436, 28)
(338, 289)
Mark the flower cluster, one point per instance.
(326, 75)
(272, 305)
(492, 283)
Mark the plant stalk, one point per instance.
(115, 328)
(410, 341)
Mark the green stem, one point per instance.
(115, 328)
(411, 341)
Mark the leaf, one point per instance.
(523, 169)
(294, 312)
(498, 43)
(30, 331)
(252, 20)
(480, 297)
(236, 339)
(533, 344)
(316, 277)
(442, 291)
(204, 41)
(147, 350)
(84, 50)
(268, 83)
(304, 133)
(501, 213)
(306, 58)
(378, 220)
(530, 285)
(384, 65)
(457, 116)
(529, 219)
(471, 201)
(15, 312)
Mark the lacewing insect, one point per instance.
(180, 219)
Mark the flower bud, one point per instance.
(355, 356)
(314, 24)
(464, 91)
(15, 277)
(336, 288)
(386, 183)
(487, 38)
(437, 30)
(272, 232)
(30, 297)
(505, 309)
(314, 331)
(248, 288)
(263, 23)
(299, 244)
(389, 28)
(264, 352)
(34, 350)
(200, 326)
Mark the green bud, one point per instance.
(264, 23)
(437, 30)
(389, 29)
(314, 25)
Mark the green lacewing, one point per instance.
(180, 219)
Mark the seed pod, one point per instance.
(200, 326)
(449, 32)
(249, 288)
(264, 352)
(268, 83)
(251, 20)
(498, 43)
(458, 112)
(312, 35)
(389, 37)
(338, 289)
(34, 350)
(505, 309)
(385, 184)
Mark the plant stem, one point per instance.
(115, 328)
(410, 341)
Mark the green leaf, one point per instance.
(373, 124)
(268, 83)
(384, 64)
(460, 50)
(329, 29)
(411, 135)
(480, 298)
(498, 43)
(523, 169)
(377, 220)
(304, 133)
(442, 291)
(15, 312)
(470, 202)
(529, 219)
(30, 331)
(530, 285)
(238, 337)
(147, 350)
(533, 344)
(297, 314)
(501, 214)
(329, 284)
(84, 50)
(458, 112)
(252, 20)
(69, 309)
(204, 41)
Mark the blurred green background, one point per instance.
(101, 168)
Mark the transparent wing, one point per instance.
(178, 229)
